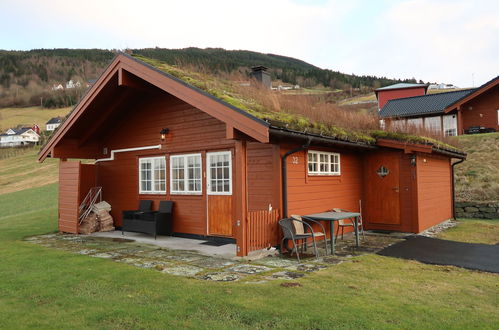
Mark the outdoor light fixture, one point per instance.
(163, 133)
(413, 160)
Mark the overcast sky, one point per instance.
(450, 41)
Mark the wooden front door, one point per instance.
(219, 190)
(383, 193)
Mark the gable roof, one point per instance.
(123, 66)
(422, 105)
(243, 114)
(55, 120)
(483, 88)
(401, 86)
(18, 131)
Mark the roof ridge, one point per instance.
(435, 94)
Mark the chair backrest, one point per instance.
(145, 205)
(340, 222)
(299, 230)
(288, 229)
(165, 207)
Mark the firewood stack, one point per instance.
(98, 220)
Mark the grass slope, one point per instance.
(477, 179)
(46, 288)
(23, 171)
(11, 117)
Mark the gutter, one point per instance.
(454, 189)
(287, 133)
(127, 150)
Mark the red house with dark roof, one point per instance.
(230, 173)
(452, 113)
(397, 91)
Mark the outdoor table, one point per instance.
(336, 216)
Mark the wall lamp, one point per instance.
(163, 133)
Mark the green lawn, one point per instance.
(45, 288)
(11, 117)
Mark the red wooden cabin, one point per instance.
(397, 91)
(223, 167)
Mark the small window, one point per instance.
(152, 175)
(219, 173)
(323, 163)
(185, 174)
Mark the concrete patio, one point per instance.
(175, 243)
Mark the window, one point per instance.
(450, 125)
(433, 124)
(152, 175)
(185, 174)
(219, 173)
(323, 163)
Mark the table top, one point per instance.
(332, 216)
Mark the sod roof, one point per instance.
(225, 91)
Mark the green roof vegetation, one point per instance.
(230, 93)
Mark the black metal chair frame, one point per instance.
(289, 232)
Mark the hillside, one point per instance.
(477, 179)
(12, 117)
(27, 77)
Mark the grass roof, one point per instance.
(302, 113)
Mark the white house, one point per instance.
(18, 137)
(72, 84)
(53, 123)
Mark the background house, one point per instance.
(400, 90)
(53, 123)
(451, 113)
(19, 137)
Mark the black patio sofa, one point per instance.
(149, 222)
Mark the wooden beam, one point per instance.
(104, 116)
(240, 195)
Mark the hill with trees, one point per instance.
(29, 78)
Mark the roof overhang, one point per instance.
(479, 91)
(423, 148)
(130, 70)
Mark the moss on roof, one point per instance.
(225, 91)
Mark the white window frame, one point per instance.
(450, 125)
(208, 173)
(153, 174)
(186, 175)
(329, 155)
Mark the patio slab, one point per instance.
(189, 258)
(175, 243)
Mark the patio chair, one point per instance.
(158, 222)
(144, 206)
(343, 223)
(294, 229)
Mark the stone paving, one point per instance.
(195, 265)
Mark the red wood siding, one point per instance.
(263, 176)
(482, 110)
(385, 96)
(312, 194)
(434, 190)
(263, 229)
(191, 131)
(69, 172)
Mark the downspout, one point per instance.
(453, 189)
(284, 176)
